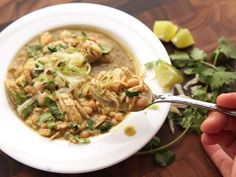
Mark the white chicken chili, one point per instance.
(49, 83)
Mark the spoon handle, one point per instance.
(192, 102)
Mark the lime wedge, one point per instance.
(164, 30)
(167, 75)
(183, 38)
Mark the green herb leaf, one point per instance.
(38, 68)
(50, 85)
(225, 48)
(149, 65)
(57, 47)
(221, 78)
(79, 140)
(82, 140)
(70, 136)
(194, 116)
(179, 59)
(52, 48)
(18, 98)
(205, 74)
(178, 55)
(73, 124)
(36, 73)
(198, 121)
(159, 61)
(27, 111)
(188, 115)
(198, 54)
(67, 85)
(189, 71)
(83, 34)
(131, 94)
(105, 127)
(34, 50)
(164, 158)
(90, 124)
(44, 117)
(51, 124)
(200, 93)
(153, 143)
(52, 106)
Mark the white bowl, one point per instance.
(27, 146)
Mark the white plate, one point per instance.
(25, 145)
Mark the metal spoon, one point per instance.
(192, 102)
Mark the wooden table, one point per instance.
(207, 20)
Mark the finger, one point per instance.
(227, 100)
(214, 123)
(231, 124)
(222, 161)
(224, 138)
(231, 148)
(233, 172)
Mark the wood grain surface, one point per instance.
(207, 20)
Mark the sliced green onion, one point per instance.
(105, 48)
(82, 140)
(51, 124)
(44, 117)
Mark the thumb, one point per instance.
(221, 160)
(233, 173)
(227, 100)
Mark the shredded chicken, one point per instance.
(68, 105)
(120, 89)
(92, 50)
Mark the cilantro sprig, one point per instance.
(224, 50)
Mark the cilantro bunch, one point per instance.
(212, 75)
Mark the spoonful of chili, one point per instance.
(122, 90)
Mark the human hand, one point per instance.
(218, 137)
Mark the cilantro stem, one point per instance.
(208, 64)
(166, 145)
(216, 57)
